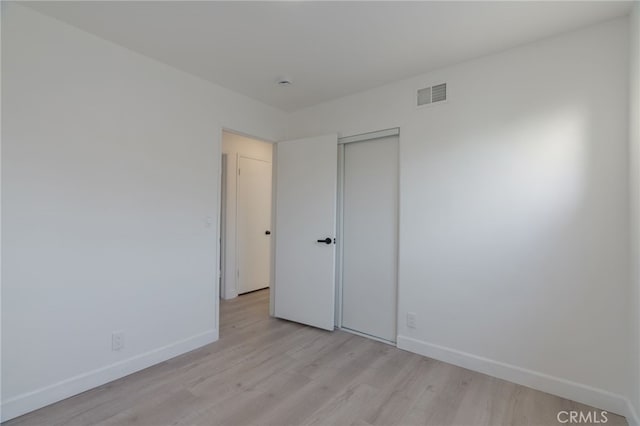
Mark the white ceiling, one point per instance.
(329, 49)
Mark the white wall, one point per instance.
(514, 210)
(110, 168)
(634, 157)
(234, 146)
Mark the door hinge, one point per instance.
(238, 172)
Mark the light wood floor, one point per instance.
(265, 371)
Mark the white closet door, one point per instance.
(370, 237)
(306, 186)
(253, 224)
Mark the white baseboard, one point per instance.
(39, 398)
(584, 394)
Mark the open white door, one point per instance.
(306, 182)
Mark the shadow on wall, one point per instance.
(508, 213)
(525, 181)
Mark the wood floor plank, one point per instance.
(402, 395)
(346, 407)
(264, 371)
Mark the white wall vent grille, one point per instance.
(433, 94)
(424, 96)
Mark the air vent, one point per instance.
(424, 96)
(433, 94)
(439, 93)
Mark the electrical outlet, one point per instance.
(117, 340)
(411, 319)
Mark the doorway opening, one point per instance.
(245, 227)
(336, 252)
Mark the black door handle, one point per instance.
(326, 241)
(267, 232)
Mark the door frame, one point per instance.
(219, 204)
(222, 225)
(274, 231)
(363, 137)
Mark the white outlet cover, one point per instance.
(411, 319)
(117, 340)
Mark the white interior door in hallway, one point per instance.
(253, 224)
(370, 237)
